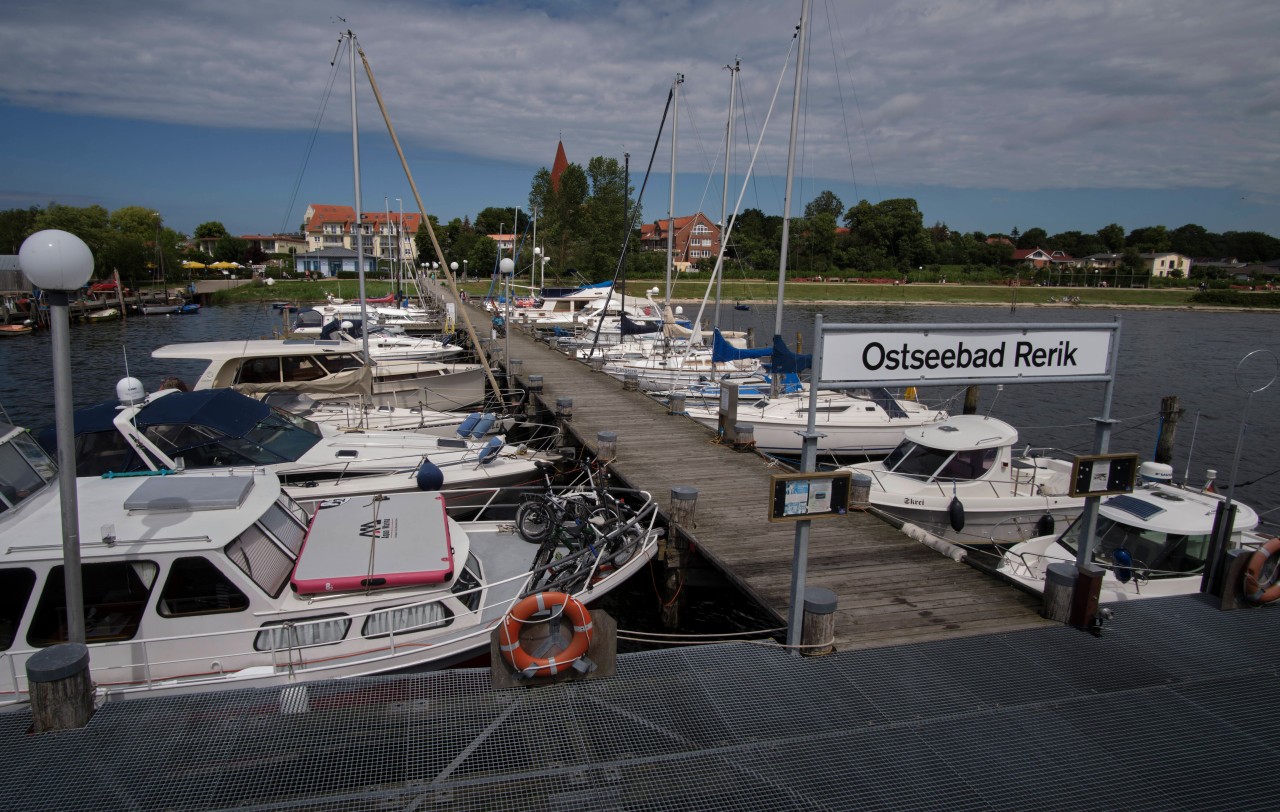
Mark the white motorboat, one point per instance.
(330, 369)
(855, 423)
(172, 430)
(961, 480)
(1152, 542)
(355, 415)
(202, 581)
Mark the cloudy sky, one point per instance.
(1069, 114)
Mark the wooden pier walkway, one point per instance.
(890, 589)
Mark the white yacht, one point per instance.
(1152, 542)
(200, 581)
(330, 369)
(961, 480)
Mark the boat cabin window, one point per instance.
(263, 559)
(195, 586)
(915, 460)
(201, 446)
(24, 469)
(115, 598)
(15, 591)
(259, 370)
(340, 361)
(1156, 554)
(98, 452)
(971, 463)
(405, 619)
(302, 368)
(302, 633)
(467, 587)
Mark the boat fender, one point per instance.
(527, 665)
(1254, 589)
(1124, 565)
(469, 423)
(490, 451)
(429, 477)
(481, 428)
(1044, 525)
(955, 514)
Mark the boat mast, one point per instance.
(359, 241)
(671, 203)
(724, 195)
(803, 33)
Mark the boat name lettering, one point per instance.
(1026, 354)
(909, 501)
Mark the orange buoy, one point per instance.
(523, 612)
(1254, 592)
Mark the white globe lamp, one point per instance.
(56, 260)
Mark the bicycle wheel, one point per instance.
(535, 520)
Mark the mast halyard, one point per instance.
(803, 34)
(724, 194)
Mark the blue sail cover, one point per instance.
(631, 328)
(722, 350)
(784, 360)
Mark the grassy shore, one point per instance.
(307, 293)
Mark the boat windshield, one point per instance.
(25, 468)
(1155, 554)
(925, 463)
(275, 438)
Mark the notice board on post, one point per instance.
(809, 496)
(1103, 474)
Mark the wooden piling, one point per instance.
(971, 400)
(1169, 414)
(818, 626)
(60, 689)
(684, 501)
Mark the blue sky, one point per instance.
(990, 113)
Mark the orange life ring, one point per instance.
(1253, 589)
(524, 662)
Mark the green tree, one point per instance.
(825, 203)
(1112, 237)
(1149, 239)
(892, 230)
(232, 249)
(1194, 241)
(211, 229)
(15, 226)
(1032, 238)
(1250, 246)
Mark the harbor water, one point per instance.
(1193, 355)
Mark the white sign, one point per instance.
(917, 357)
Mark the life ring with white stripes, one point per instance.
(523, 612)
(1254, 592)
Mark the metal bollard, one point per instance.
(631, 380)
(607, 446)
(744, 437)
(675, 403)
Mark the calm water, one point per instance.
(1189, 354)
(1193, 355)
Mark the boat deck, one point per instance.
(1166, 710)
(890, 589)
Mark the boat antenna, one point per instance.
(991, 408)
(1186, 474)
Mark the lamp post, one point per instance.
(453, 268)
(59, 263)
(464, 270)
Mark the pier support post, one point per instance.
(744, 437)
(818, 629)
(675, 403)
(630, 380)
(860, 490)
(1170, 412)
(60, 689)
(1071, 593)
(971, 400)
(607, 446)
(684, 501)
(597, 364)
(535, 384)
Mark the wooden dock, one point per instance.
(890, 589)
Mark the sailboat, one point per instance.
(860, 423)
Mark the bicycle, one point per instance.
(549, 513)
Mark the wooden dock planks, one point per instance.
(890, 589)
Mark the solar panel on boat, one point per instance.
(190, 493)
(1137, 507)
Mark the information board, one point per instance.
(1103, 474)
(809, 496)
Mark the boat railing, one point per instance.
(235, 654)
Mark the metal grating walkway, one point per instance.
(1169, 709)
